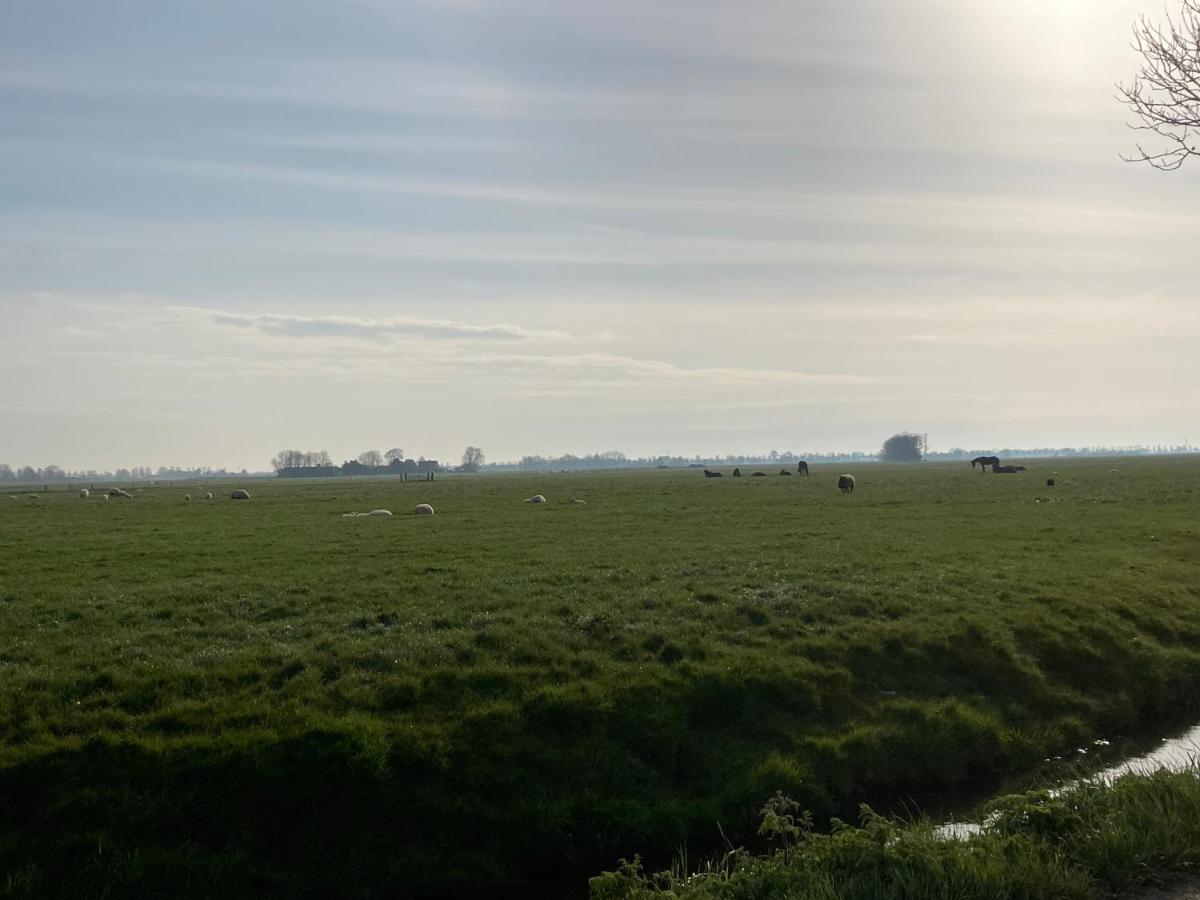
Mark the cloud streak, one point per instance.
(289, 326)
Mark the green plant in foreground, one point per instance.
(783, 821)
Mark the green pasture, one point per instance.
(266, 697)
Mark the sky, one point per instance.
(680, 227)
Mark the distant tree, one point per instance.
(287, 459)
(472, 459)
(1165, 94)
(371, 458)
(903, 447)
(6, 472)
(395, 455)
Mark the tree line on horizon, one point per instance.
(319, 464)
(609, 459)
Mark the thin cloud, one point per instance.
(375, 329)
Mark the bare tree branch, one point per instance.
(1164, 96)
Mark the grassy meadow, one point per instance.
(266, 697)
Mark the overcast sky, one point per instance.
(685, 227)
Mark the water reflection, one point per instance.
(1173, 755)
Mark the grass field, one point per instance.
(267, 697)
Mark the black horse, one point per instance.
(802, 467)
(985, 461)
(708, 474)
(1007, 470)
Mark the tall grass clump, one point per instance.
(1091, 840)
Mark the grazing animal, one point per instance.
(708, 474)
(985, 461)
(784, 472)
(758, 474)
(118, 492)
(577, 502)
(380, 512)
(1006, 470)
(536, 498)
(423, 509)
(187, 498)
(84, 493)
(737, 473)
(208, 496)
(845, 484)
(105, 496)
(240, 494)
(802, 467)
(1049, 482)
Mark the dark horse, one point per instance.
(802, 467)
(985, 461)
(708, 474)
(1007, 470)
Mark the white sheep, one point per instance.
(84, 493)
(536, 498)
(240, 494)
(845, 484)
(423, 509)
(187, 498)
(208, 496)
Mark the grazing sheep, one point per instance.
(536, 498)
(423, 509)
(84, 493)
(118, 492)
(737, 473)
(208, 496)
(708, 474)
(240, 494)
(104, 496)
(1049, 482)
(187, 498)
(380, 512)
(784, 472)
(802, 467)
(845, 484)
(576, 502)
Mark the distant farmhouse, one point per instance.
(422, 468)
